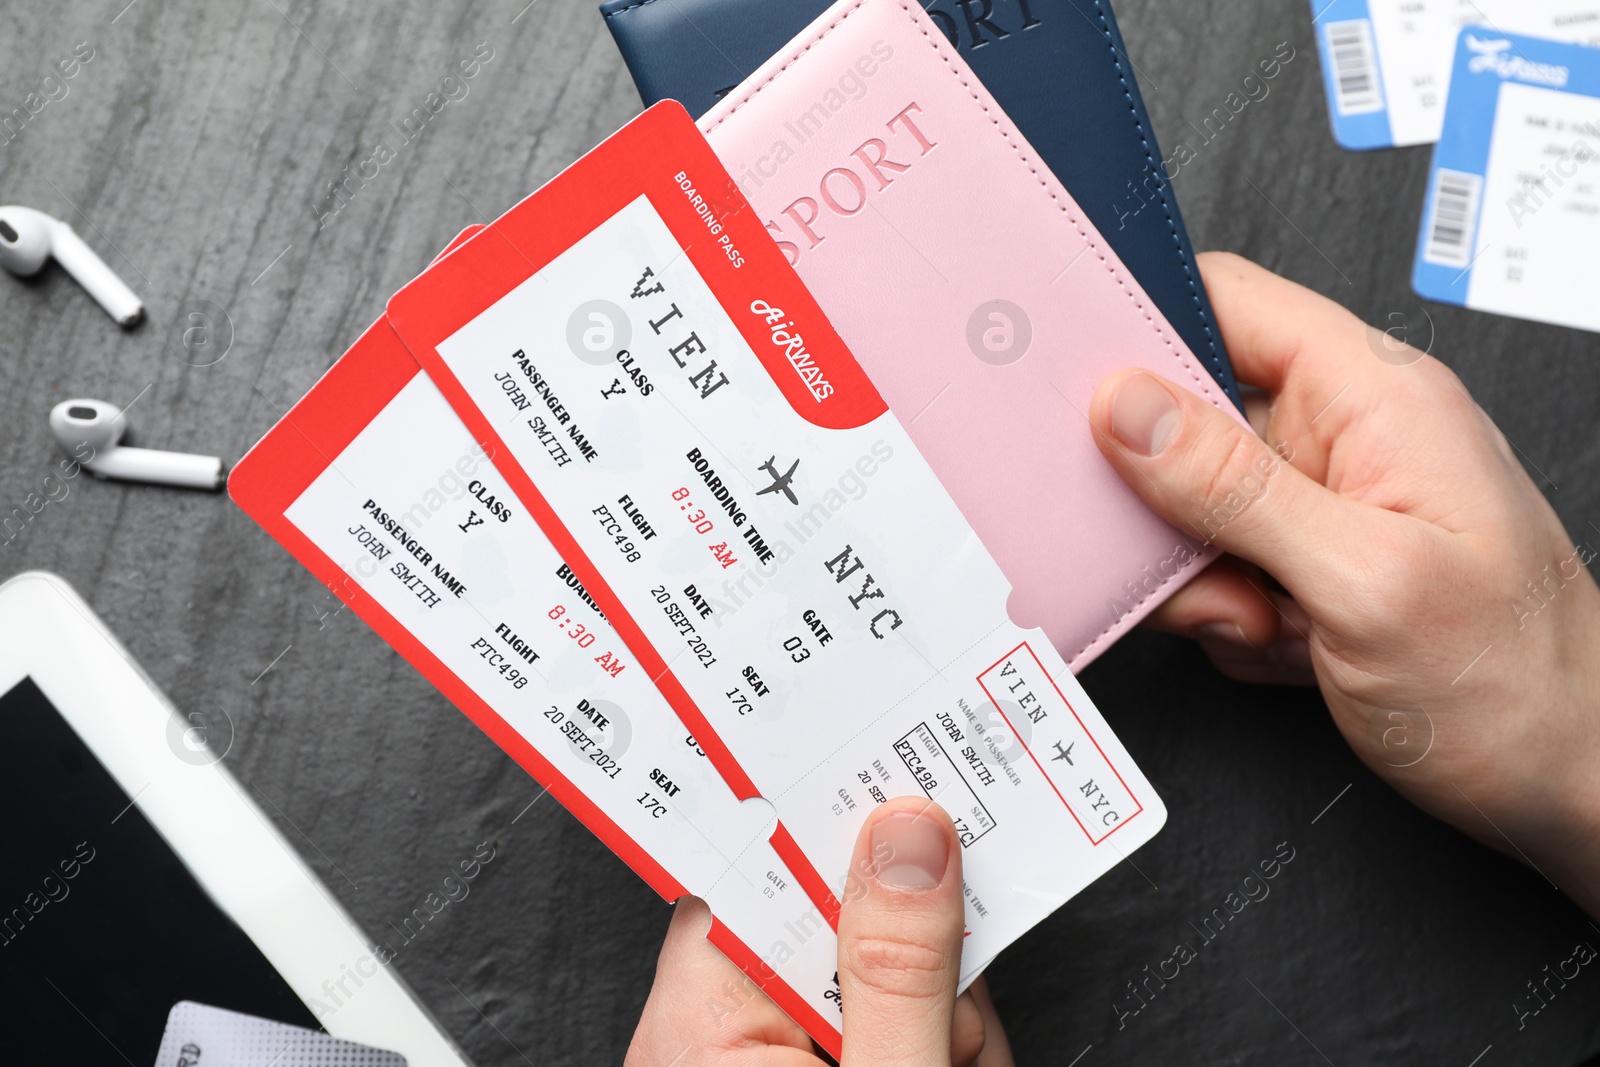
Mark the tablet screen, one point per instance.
(102, 928)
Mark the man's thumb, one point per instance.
(900, 934)
(1210, 476)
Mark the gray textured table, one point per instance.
(195, 149)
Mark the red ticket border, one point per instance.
(284, 464)
(643, 158)
(1025, 647)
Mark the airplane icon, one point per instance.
(1064, 753)
(780, 482)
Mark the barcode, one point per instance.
(1355, 67)
(1455, 218)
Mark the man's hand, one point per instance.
(899, 950)
(1418, 575)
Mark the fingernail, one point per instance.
(1224, 631)
(913, 852)
(1144, 414)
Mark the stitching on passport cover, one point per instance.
(1161, 187)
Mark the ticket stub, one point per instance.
(670, 404)
(375, 484)
(1386, 63)
(1512, 220)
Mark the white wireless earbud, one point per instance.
(29, 237)
(90, 431)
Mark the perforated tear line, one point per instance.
(1196, 373)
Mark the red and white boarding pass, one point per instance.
(375, 485)
(665, 398)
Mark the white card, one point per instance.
(1386, 63)
(199, 1035)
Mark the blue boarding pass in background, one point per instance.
(1512, 219)
(1386, 63)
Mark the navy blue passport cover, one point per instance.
(1057, 67)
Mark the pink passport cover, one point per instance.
(982, 303)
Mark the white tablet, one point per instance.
(149, 912)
